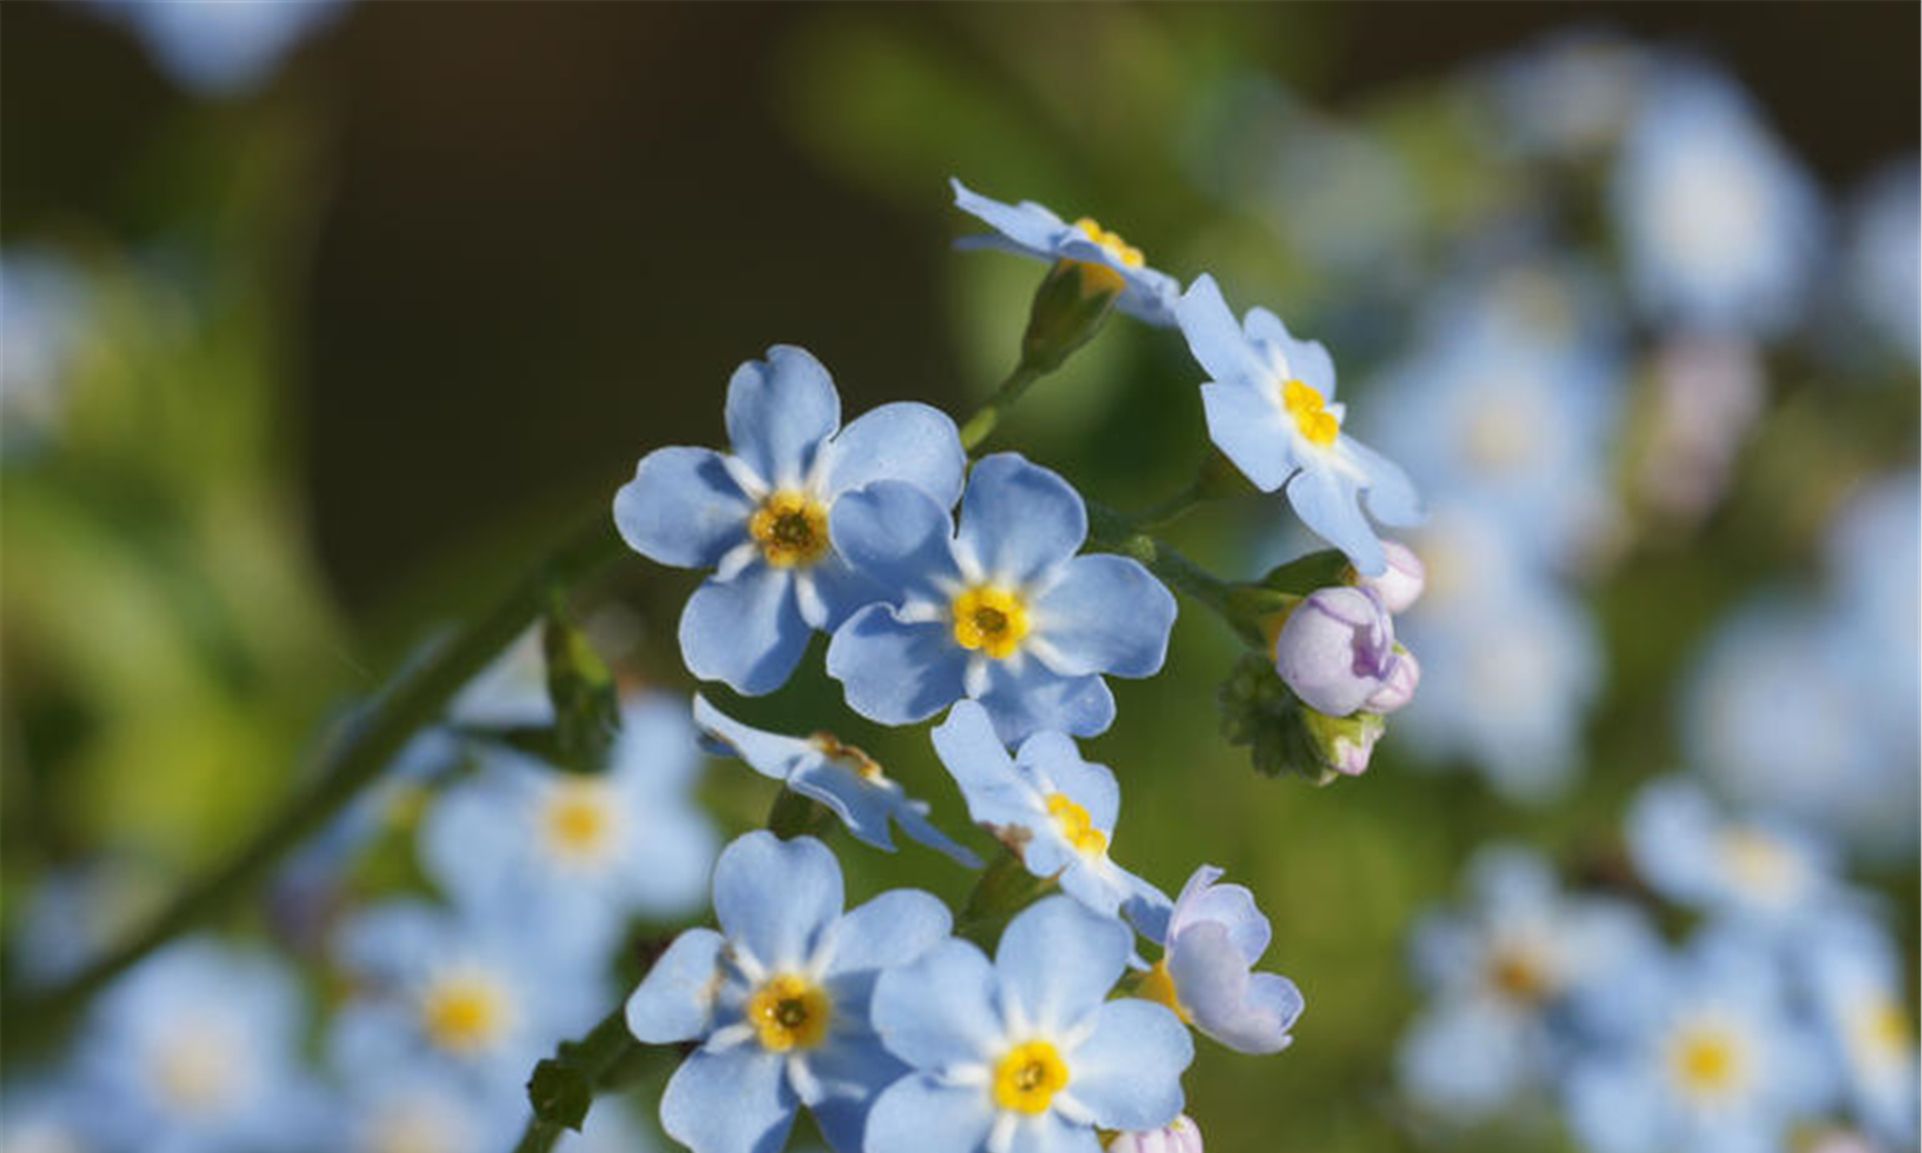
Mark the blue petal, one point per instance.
(1150, 297)
(967, 745)
(1128, 1072)
(890, 930)
(682, 508)
(852, 1070)
(843, 591)
(940, 1011)
(1250, 431)
(1392, 498)
(668, 873)
(1329, 504)
(908, 442)
(775, 898)
(1308, 360)
(1018, 520)
(746, 632)
(863, 807)
(1232, 906)
(898, 537)
(1050, 1132)
(737, 1101)
(779, 411)
(1107, 614)
(1214, 338)
(1034, 698)
(1058, 961)
(1027, 224)
(914, 822)
(675, 1001)
(769, 754)
(896, 673)
(1213, 982)
(1056, 758)
(919, 1114)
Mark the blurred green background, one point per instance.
(367, 342)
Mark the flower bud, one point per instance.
(1398, 688)
(1179, 1136)
(1349, 752)
(1283, 735)
(1068, 309)
(1400, 584)
(1336, 649)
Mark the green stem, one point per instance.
(1172, 509)
(593, 1060)
(415, 699)
(1005, 888)
(982, 424)
(1111, 531)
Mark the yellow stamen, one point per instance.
(1028, 1077)
(1312, 418)
(1101, 276)
(1882, 1030)
(465, 1013)
(579, 820)
(790, 1012)
(990, 619)
(1075, 826)
(196, 1073)
(1518, 974)
(791, 528)
(1708, 1061)
(1759, 863)
(1158, 985)
(854, 758)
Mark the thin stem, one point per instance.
(416, 698)
(593, 1058)
(1174, 508)
(982, 424)
(1112, 531)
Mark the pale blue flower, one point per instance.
(1856, 980)
(843, 778)
(1215, 935)
(1757, 869)
(576, 854)
(778, 999)
(1048, 805)
(400, 1107)
(222, 47)
(1030, 229)
(1719, 224)
(1568, 95)
(74, 914)
(1873, 558)
(759, 517)
(1884, 257)
(49, 1117)
(1271, 409)
(43, 318)
(1001, 611)
(195, 1050)
(1025, 1054)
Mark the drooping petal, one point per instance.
(1027, 224)
(1328, 504)
(1019, 520)
(682, 508)
(1214, 984)
(921, 1114)
(1214, 337)
(940, 1011)
(1128, 1072)
(779, 411)
(775, 898)
(896, 673)
(898, 537)
(769, 754)
(675, 1001)
(1391, 496)
(746, 632)
(904, 441)
(1107, 614)
(1057, 961)
(1034, 698)
(737, 1101)
(1250, 431)
(890, 930)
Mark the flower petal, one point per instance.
(1128, 1072)
(897, 536)
(1018, 520)
(851, 1071)
(905, 441)
(1308, 360)
(1391, 496)
(1250, 431)
(940, 1011)
(1028, 224)
(1057, 961)
(769, 754)
(1033, 698)
(682, 508)
(775, 898)
(1054, 757)
(896, 673)
(737, 1101)
(675, 1001)
(1330, 505)
(889, 931)
(920, 1113)
(1107, 614)
(1214, 338)
(746, 632)
(1232, 906)
(779, 411)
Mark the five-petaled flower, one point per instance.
(1271, 410)
(778, 999)
(759, 517)
(1026, 1053)
(1001, 611)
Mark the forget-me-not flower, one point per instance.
(778, 999)
(1111, 263)
(844, 778)
(1854, 975)
(1048, 805)
(401, 1108)
(1025, 1054)
(1214, 936)
(1758, 869)
(1001, 610)
(759, 517)
(1271, 409)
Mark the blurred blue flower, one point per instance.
(1001, 611)
(49, 1116)
(1271, 410)
(74, 914)
(1719, 224)
(1759, 871)
(1568, 95)
(1053, 809)
(395, 1108)
(778, 999)
(1024, 1054)
(221, 47)
(1884, 257)
(1030, 229)
(43, 315)
(475, 995)
(1856, 978)
(759, 518)
(196, 1051)
(843, 778)
(1710, 1058)
(1214, 936)
(1873, 556)
(574, 854)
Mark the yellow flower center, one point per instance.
(991, 619)
(465, 1013)
(853, 757)
(790, 1012)
(196, 1073)
(1028, 1077)
(1881, 1030)
(1075, 827)
(579, 821)
(1759, 863)
(1101, 276)
(1312, 418)
(1707, 1061)
(791, 529)
(1158, 985)
(1518, 974)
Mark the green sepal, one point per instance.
(560, 1093)
(1284, 736)
(587, 706)
(1068, 310)
(1305, 574)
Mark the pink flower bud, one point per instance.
(1336, 649)
(1400, 584)
(1179, 1136)
(1399, 686)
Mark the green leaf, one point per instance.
(560, 1093)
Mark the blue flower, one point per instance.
(49, 1116)
(44, 313)
(1030, 229)
(403, 1108)
(1884, 257)
(1214, 936)
(778, 999)
(1855, 975)
(759, 517)
(221, 47)
(470, 992)
(1761, 871)
(1568, 95)
(1052, 808)
(1025, 1054)
(195, 1051)
(1002, 611)
(844, 778)
(1271, 410)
